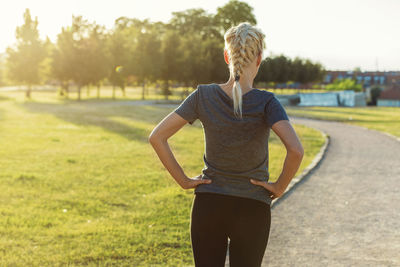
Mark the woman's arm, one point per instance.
(158, 138)
(294, 153)
(294, 156)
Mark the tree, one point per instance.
(121, 45)
(146, 54)
(344, 84)
(280, 69)
(195, 20)
(2, 70)
(375, 93)
(171, 57)
(193, 66)
(80, 55)
(63, 59)
(26, 57)
(98, 61)
(201, 47)
(214, 55)
(233, 13)
(45, 71)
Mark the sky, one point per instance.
(339, 34)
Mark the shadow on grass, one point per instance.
(3, 98)
(89, 114)
(94, 100)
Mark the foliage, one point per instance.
(80, 54)
(3, 81)
(375, 93)
(344, 84)
(187, 50)
(233, 13)
(280, 69)
(25, 58)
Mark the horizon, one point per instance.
(369, 43)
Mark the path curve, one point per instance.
(346, 212)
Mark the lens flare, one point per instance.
(119, 69)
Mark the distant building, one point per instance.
(366, 78)
(346, 98)
(389, 97)
(384, 79)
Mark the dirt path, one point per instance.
(346, 212)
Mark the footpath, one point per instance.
(346, 211)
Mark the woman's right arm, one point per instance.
(294, 156)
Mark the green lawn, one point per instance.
(290, 91)
(385, 119)
(81, 185)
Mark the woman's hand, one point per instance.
(274, 188)
(194, 182)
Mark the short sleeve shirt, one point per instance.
(236, 150)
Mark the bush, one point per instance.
(344, 84)
(375, 93)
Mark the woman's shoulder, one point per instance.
(263, 94)
(203, 87)
(206, 86)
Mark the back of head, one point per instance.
(244, 43)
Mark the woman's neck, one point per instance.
(245, 84)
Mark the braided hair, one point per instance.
(244, 43)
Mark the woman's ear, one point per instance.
(226, 56)
(259, 59)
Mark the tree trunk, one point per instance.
(113, 92)
(79, 92)
(166, 89)
(28, 91)
(87, 90)
(98, 91)
(60, 91)
(143, 90)
(66, 90)
(123, 90)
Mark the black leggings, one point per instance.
(216, 217)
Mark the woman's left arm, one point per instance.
(158, 138)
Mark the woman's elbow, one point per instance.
(298, 151)
(152, 138)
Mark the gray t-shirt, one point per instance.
(235, 150)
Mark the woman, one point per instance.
(232, 195)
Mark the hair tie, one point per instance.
(237, 77)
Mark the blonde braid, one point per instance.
(244, 42)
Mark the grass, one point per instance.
(82, 186)
(290, 91)
(384, 119)
(135, 93)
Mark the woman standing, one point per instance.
(233, 193)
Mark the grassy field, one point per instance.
(81, 185)
(385, 119)
(290, 91)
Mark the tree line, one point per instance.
(187, 50)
